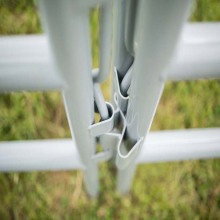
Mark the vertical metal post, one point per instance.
(123, 58)
(105, 35)
(159, 24)
(67, 25)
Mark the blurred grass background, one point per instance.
(180, 190)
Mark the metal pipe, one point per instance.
(62, 154)
(198, 53)
(25, 64)
(105, 33)
(176, 145)
(158, 29)
(130, 21)
(122, 58)
(25, 61)
(67, 25)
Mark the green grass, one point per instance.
(180, 190)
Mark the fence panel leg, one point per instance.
(158, 27)
(67, 26)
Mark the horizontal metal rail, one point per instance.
(189, 144)
(56, 154)
(62, 154)
(25, 62)
(198, 54)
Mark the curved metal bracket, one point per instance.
(120, 99)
